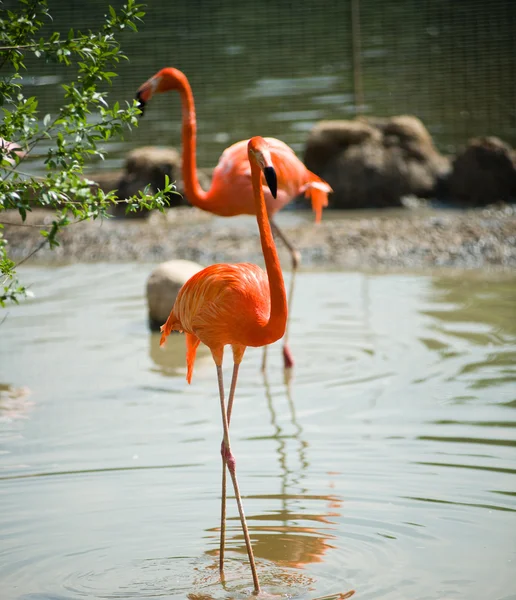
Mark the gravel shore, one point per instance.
(401, 239)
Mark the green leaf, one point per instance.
(87, 61)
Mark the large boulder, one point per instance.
(331, 138)
(107, 181)
(145, 167)
(163, 285)
(483, 173)
(373, 162)
(419, 163)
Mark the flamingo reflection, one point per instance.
(170, 360)
(290, 536)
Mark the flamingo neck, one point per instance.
(275, 327)
(193, 190)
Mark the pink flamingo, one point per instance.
(231, 191)
(239, 305)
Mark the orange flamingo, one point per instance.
(236, 304)
(231, 191)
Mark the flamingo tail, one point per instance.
(192, 343)
(317, 190)
(171, 325)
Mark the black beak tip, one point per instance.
(141, 103)
(271, 179)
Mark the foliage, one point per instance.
(84, 121)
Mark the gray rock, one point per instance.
(484, 173)
(375, 163)
(163, 285)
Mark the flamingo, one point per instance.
(231, 191)
(235, 304)
(7, 148)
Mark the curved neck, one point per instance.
(278, 317)
(193, 191)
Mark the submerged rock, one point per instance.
(163, 285)
(14, 403)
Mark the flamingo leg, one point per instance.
(223, 495)
(288, 360)
(229, 459)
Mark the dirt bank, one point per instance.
(412, 239)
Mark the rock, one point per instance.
(163, 285)
(483, 173)
(373, 162)
(145, 166)
(148, 166)
(107, 181)
(418, 158)
(14, 403)
(365, 176)
(329, 138)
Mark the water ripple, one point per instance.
(387, 454)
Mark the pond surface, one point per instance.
(386, 466)
(273, 69)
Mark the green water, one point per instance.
(275, 68)
(386, 466)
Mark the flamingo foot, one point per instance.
(288, 359)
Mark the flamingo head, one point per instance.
(259, 152)
(163, 81)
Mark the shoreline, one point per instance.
(413, 239)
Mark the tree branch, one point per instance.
(31, 254)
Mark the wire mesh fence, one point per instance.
(451, 63)
(277, 67)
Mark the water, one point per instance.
(386, 466)
(276, 69)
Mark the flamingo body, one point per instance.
(224, 304)
(231, 191)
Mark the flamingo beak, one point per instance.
(141, 102)
(271, 179)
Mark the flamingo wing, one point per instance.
(224, 303)
(232, 188)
